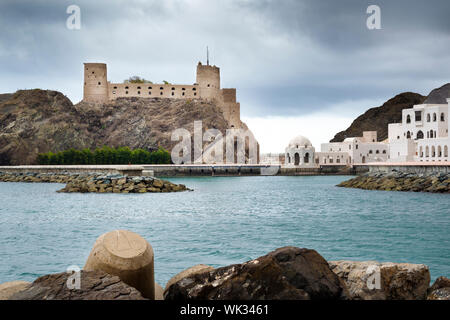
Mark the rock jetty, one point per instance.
(94, 182)
(401, 181)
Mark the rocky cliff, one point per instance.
(378, 118)
(35, 121)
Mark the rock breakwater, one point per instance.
(438, 182)
(94, 182)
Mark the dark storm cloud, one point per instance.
(286, 57)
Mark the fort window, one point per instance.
(408, 119)
(384, 151)
(193, 89)
(126, 87)
(183, 89)
(377, 152)
(99, 83)
(370, 151)
(434, 117)
(356, 146)
(161, 88)
(149, 88)
(126, 92)
(139, 87)
(208, 84)
(173, 88)
(173, 93)
(115, 87)
(183, 93)
(92, 72)
(442, 117)
(418, 116)
(139, 92)
(195, 93)
(161, 93)
(149, 92)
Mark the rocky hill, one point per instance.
(35, 121)
(378, 118)
(439, 95)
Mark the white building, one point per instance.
(300, 153)
(354, 150)
(422, 135)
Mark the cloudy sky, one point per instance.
(304, 67)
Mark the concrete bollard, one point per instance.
(127, 255)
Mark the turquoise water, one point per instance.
(225, 220)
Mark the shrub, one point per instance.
(105, 155)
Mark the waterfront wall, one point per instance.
(189, 170)
(410, 167)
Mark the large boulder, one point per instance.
(286, 273)
(8, 289)
(94, 285)
(127, 255)
(199, 268)
(440, 290)
(372, 280)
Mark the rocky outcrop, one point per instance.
(8, 289)
(37, 121)
(94, 182)
(371, 280)
(401, 181)
(286, 273)
(378, 118)
(440, 290)
(95, 285)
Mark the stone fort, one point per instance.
(97, 89)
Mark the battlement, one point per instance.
(97, 89)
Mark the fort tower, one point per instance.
(95, 83)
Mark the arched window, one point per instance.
(439, 151)
(442, 117)
(377, 152)
(433, 152)
(384, 151)
(370, 151)
(306, 158)
(431, 133)
(419, 134)
(445, 151)
(408, 119)
(421, 152)
(434, 117)
(408, 135)
(427, 151)
(428, 117)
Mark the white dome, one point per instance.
(299, 142)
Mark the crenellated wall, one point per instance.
(97, 89)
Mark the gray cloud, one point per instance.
(285, 57)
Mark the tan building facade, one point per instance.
(97, 89)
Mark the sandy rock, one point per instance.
(440, 290)
(159, 292)
(286, 273)
(200, 268)
(372, 280)
(8, 289)
(127, 255)
(95, 285)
